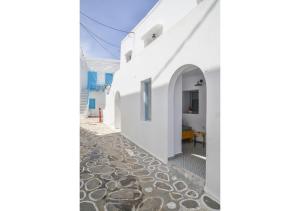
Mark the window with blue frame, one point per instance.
(92, 103)
(108, 78)
(92, 80)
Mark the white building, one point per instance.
(96, 76)
(169, 78)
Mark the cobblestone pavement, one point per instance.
(116, 175)
(93, 125)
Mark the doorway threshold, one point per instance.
(192, 158)
(199, 156)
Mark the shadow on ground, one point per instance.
(115, 174)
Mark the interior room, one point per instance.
(193, 131)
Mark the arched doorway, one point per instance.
(187, 119)
(117, 110)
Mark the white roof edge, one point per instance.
(147, 15)
(103, 59)
(144, 18)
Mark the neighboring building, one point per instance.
(96, 79)
(83, 85)
(169, 79)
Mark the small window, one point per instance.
(146, 100)
(108, 78)
(128, 56)
(190, 102)
(92, 103)
(152, 34)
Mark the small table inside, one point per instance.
(199, 134)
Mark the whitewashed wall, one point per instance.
(166, 13)
(177, 144)
(213, 134)
(190, 36)
(83, 70)
(100, 98)
(103, 65)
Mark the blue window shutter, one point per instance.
(92, 80)
(108, 78)
(92, 103)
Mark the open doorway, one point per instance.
(188, 142)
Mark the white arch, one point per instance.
(175, 110)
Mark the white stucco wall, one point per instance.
(177, 101)
(213, 134)
(103, 65)
(83, 70)
(109, 111)
(166, 13)
(100, 98)
(190, 36)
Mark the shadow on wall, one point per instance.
(149, 135)
(117, 110)
(153, 136)
(172, 57)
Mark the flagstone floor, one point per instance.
(117, 175)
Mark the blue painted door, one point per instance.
(92, 103)
(92, 80)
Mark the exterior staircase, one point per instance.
(84, 95)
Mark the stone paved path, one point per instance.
(116, 175)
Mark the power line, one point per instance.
(100, 38)
(98, 42)
(102, 24)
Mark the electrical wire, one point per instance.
(102, 24)
(99, 42)
(100, 38)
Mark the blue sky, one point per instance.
(123, 14)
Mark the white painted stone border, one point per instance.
(184, 189)
(90, 202)
(158, 197)
(204, 204)
(182, 208)
(84, 194)
(92, 198)
(85, 185)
